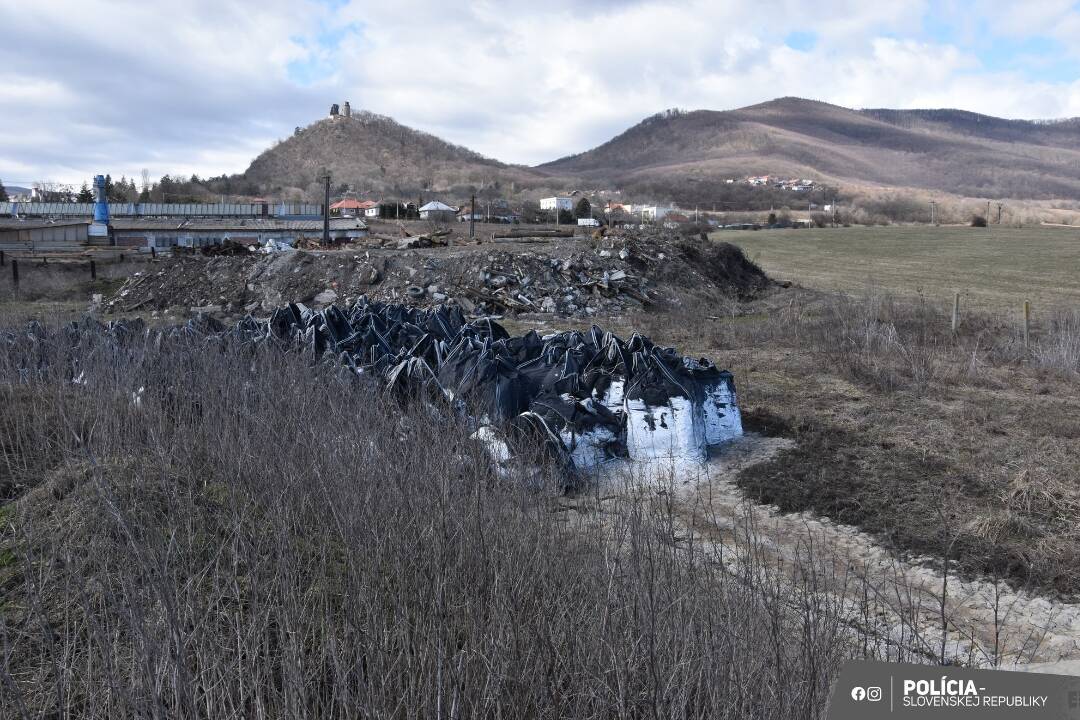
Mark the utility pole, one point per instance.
(326, 211)
(933, 207)
(987, 214)
(472, 219)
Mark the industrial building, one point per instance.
(160, 226)
(38, 235)
(264, 209)
(561, 203)
(163, 234)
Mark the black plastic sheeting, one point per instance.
(565, 390)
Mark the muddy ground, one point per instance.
(895, 597)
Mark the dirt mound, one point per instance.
(727, 266)
(577, 277)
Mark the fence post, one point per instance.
(93, 269)
(153, 252)
(956, 312)
(15, 272)
(1, 258)
(1027, 322)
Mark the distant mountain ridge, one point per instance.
(944, 150)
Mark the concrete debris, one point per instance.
(579, 277)
(326, 297)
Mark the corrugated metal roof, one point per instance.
(12, 224)
(437, 206)
(238, 225)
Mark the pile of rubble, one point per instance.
(582, 277)
(582, 398)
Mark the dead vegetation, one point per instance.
(62, 279)
(927, 438)
(232, 544)
(246, 551)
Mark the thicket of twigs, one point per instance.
(195, 531)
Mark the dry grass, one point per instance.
(260, 537)
(927, 438)
(995, 270)
(62, 280)
(239, 545)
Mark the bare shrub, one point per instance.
(1059, 347)
(877, 340)
(214, 533)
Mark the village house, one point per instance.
(654, 212)
(348, 207)
(437, 212)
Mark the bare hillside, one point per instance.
(946, 150)
(373, 154)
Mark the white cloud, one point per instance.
(106, 86)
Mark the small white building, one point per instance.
(436, 210)
(588, 222)
(560, 203)
(653, 212)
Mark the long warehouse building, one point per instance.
(35, 235)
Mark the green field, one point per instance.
(995, 269)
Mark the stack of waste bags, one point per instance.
(587, 398)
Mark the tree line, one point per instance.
(166, 189)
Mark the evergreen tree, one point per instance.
(120, 190)
(3, 192)
(166, 188)
(85, 195)
(583, 209)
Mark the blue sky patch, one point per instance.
(801, 40)
(321, 61)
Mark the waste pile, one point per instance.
(579, 277)
(584, 398)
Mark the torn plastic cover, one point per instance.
(582, 398)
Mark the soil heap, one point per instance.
(573, 277)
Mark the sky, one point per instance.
(112, 86)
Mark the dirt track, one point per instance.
(896, 599)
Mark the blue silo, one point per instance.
(101, 201)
